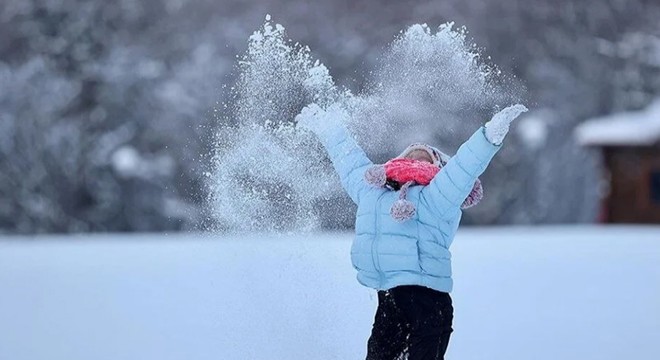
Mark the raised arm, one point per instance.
(449, 188)
(348, 159)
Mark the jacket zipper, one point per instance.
(374, 244)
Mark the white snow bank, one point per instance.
(521, 293)
(625, 128)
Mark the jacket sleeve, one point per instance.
(453, 183)
(348, 159)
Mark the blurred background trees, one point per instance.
(107, 109)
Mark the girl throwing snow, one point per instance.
(408, 212)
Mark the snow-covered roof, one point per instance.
(626, 128)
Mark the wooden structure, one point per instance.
(630, 146)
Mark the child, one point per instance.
(408, 213)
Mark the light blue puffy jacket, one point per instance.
(387, 253)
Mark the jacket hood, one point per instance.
(440, 159)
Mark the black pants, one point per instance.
(412, 320)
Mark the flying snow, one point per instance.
(269, 176)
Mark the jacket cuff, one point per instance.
(480, 144)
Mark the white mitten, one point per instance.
(309, 117)
(320, 121)
(498, 126)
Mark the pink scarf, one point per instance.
(404, 170)
(404, 173)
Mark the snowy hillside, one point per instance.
(521, 293)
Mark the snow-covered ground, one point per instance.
(521, 293)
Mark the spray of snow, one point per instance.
(269, 176)
(429, 86)
(266, 176)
